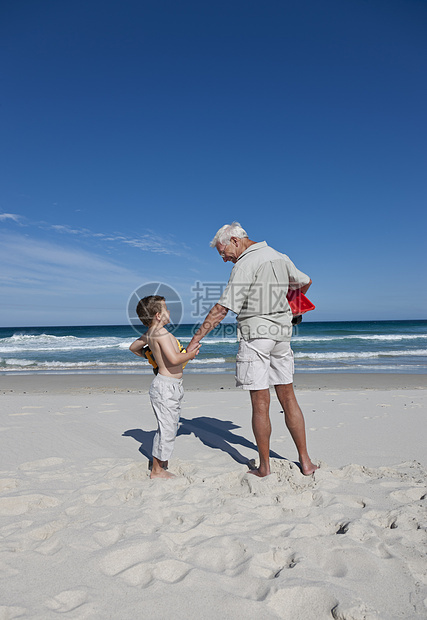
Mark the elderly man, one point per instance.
(256, 292)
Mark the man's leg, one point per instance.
(294, 420)
(262, 429)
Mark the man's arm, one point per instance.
(137, 346)
(305, 288)
(214, 318)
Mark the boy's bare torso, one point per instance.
(160, 341)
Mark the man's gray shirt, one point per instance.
(256, 292)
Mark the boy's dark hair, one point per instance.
(148, 307)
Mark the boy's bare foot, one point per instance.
(164, 464)
(161, 474)
(159, 469)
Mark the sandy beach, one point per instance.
(85, 533)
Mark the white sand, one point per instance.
(84, 532)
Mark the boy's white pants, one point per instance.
(166, 394)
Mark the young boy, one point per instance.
(166, 389)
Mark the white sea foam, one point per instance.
(57, 364)
(47, 343)
(360, 354)
(373, 337)
(209, 360)
(208, 340)
(50, 343)
(17, 364)
(86, 350)
(399, 368)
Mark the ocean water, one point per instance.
(359, 346)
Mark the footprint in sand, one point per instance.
(335, 564)
(353, 610)
(171, 571)
(273, 563)
(41, 464)
(126, 557)
(48, 529)
(10, 529)
(6, 484)
(8, 613)
(317, 598)
(14, 506)
(67, 601)
(106, 538)
(217, 556)
(409, 495)
(49, 547)
(140, 575)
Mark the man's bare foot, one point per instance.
(307, 467)
(258, 472)
(161, 474)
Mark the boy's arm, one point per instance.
(137, 346)
(174, 357)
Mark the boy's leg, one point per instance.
(164, 464)
(294, 420)
(158, 471)
(165, 400)
(163, 443)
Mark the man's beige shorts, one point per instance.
(262, 362)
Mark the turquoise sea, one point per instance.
(356, 346)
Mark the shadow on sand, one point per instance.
(212, 432)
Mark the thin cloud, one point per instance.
(10, 216)
(71, 231)
(149, 242)
(48, 268)
(152, 244)
(47, 283)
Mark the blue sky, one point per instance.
(132, 130)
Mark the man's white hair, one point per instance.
(224, 234)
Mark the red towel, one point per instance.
(299, 302)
